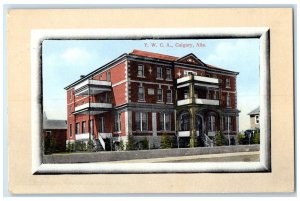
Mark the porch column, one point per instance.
(128, 122)
(192, 127)
(154, 124)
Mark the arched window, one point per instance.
(185, 121)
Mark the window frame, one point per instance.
(169, 91)
(142, 70)
(168, 74)
(139, 121)
(83, 127)
(159, 73)
(118, 122)
(162, 95)
(143, 89)
(70, 130)
(77, 128)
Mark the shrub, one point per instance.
(121, 145)
(70, 147)
(241, 138)
(256, 138)
(166, 142)
(219, 138)
(145, 143)
(131, 143)
(90, 146)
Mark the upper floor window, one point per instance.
(141, 121)
(227, 83)
(168, 74)
(187, 72)
(228, 101)
(118, 122)
(83, 127)
(140, 70)
(141, 94)
(159, 95)
(159, 72)
(71, 95)
(216, 95)
(70, 109)
(108, 75)
(169, 96)
(257, 119)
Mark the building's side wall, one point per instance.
(59, 136)
(253, 123)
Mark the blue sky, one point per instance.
(65, 60)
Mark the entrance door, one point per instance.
(199, 124)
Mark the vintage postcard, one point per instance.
(164, 103)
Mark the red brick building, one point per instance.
(145, 94)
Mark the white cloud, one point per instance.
(76, 55)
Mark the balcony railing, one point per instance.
(199, 101)
(198, 78)
(92, 87)
(93, 107)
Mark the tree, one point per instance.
(166, 142)
(131, 144)
(90, 146)
(219, 138)
(256, 138)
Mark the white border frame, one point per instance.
(37, 36)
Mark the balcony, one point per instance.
(82, 136)
(92, 87)
(198, 78)
(198, 101)
(93, 108)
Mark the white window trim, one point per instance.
(141, 100)
(141, 121)
(161, 73)
(169, 78)
(162, 95)
(171, 96)
(143, 71)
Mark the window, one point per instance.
(228, 102)
(118, 122)
(186, 73)
(70, 95)
(159, 95)
(211, 123)
(227, 83)
(165, 122)
(91, 127)
(108, 75)
(159, 72)
(257, 119)
(185, 122)
(169, 96)
(107, 97)
(83, 127)
(141, 121)
(141, 93)
(140, 71)
(70, 109)
(168, 74)
(77, 128)
(227, 123)
(216, 95)
(71, 130)
(185, 94)
(101, 125)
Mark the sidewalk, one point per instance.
(225, 157)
